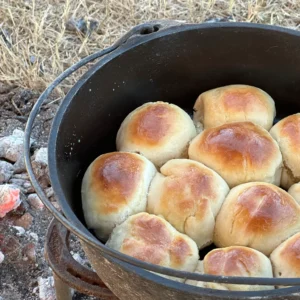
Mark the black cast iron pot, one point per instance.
(171, 62)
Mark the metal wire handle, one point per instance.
(140, 29)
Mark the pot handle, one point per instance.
(133, 36)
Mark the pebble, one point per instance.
(40, 167)
(41, 156)
(20, 230)
(9, 198)
(34, 236)
(1, 257)
(6, 171)
(35, 202)
(46, 288)
(25, 221)
(12, 149)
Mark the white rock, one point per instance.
(46, 288)
(35, 202)
(6, 171)
(34, 236)
(20, 230)
(12, 149)
(41, 156)
(1, 260)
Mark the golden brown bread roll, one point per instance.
(158, 130)
(235, 261)
(286, 258)
(114, 187)
(287, 133)
(258, 215)
(189, 196)
(294, 191)
(240, 152)
(152, 239)
(234, 103)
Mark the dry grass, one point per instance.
(36, 46)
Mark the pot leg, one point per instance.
(62, 291)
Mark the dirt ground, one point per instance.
(18, 275)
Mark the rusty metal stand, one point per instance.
(68, 273)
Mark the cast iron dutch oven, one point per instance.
(172, 62)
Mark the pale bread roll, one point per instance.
(152, 239)
(286, 258)
(257, 215)
(287, 133)
(199, 269)
(294, 191)
(189, 196)
(158, 130)
(235, 261)
(240, 152)
(234, 103)
(114, 187)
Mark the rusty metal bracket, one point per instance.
(67, 271)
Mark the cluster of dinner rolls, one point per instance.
(226, 176)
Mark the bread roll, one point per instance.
(258, 215)
(240, 152)
(234, 103)
(114, 187)
(287, 133)
(294, 191)
(235, 261)
(286, 258)
(160, 131)
(152, 239)
(189, 196)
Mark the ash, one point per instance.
(24, 273)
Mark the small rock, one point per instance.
(9, 198)
(35, 202)
(12, 149)
(82, 25)
(46, 288)
(41, 157)
(6, 171)
(34, 236)
(1, 257)
(29, 252)
(20, 230)
(25, 221)
(49, 192)
(40, 167)
(79, 259)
